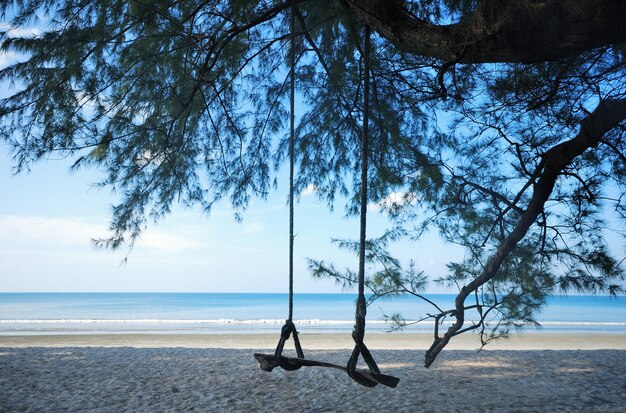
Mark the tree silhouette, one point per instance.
(498, 123)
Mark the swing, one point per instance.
(372, 376)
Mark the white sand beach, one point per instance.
(217, 373)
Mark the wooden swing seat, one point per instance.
(269, 361)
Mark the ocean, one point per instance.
(94, 313)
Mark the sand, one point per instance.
(179, 373)
(382, 341)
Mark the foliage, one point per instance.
(385, 276)
(185, 102)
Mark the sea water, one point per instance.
(82, 313)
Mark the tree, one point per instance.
(504, 131)
(489, 31)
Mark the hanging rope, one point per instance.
(292, 125)
(268, 362)
(289, 328)
(358, 332)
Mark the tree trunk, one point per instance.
(606, 116)
(524, 31)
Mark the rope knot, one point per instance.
(287, 329)
(358, 335)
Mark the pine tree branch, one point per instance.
(607, 115)
(502, 30)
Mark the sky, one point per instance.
(48, 218)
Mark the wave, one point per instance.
(220, 321)
(582, 323)
(230, 321)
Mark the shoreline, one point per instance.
(313, 341)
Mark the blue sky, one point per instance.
(48, 217)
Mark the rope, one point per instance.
(289, 327)
(292, 122)
(358, 332)
(267, 362)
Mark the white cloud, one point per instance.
(23, 32)
(397, 200)
(148, 157)
(49, 232)
(9, 58)
(168, 242)
(309, 190)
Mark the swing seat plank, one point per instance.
(269, 361)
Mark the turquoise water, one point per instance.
(67, 313)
